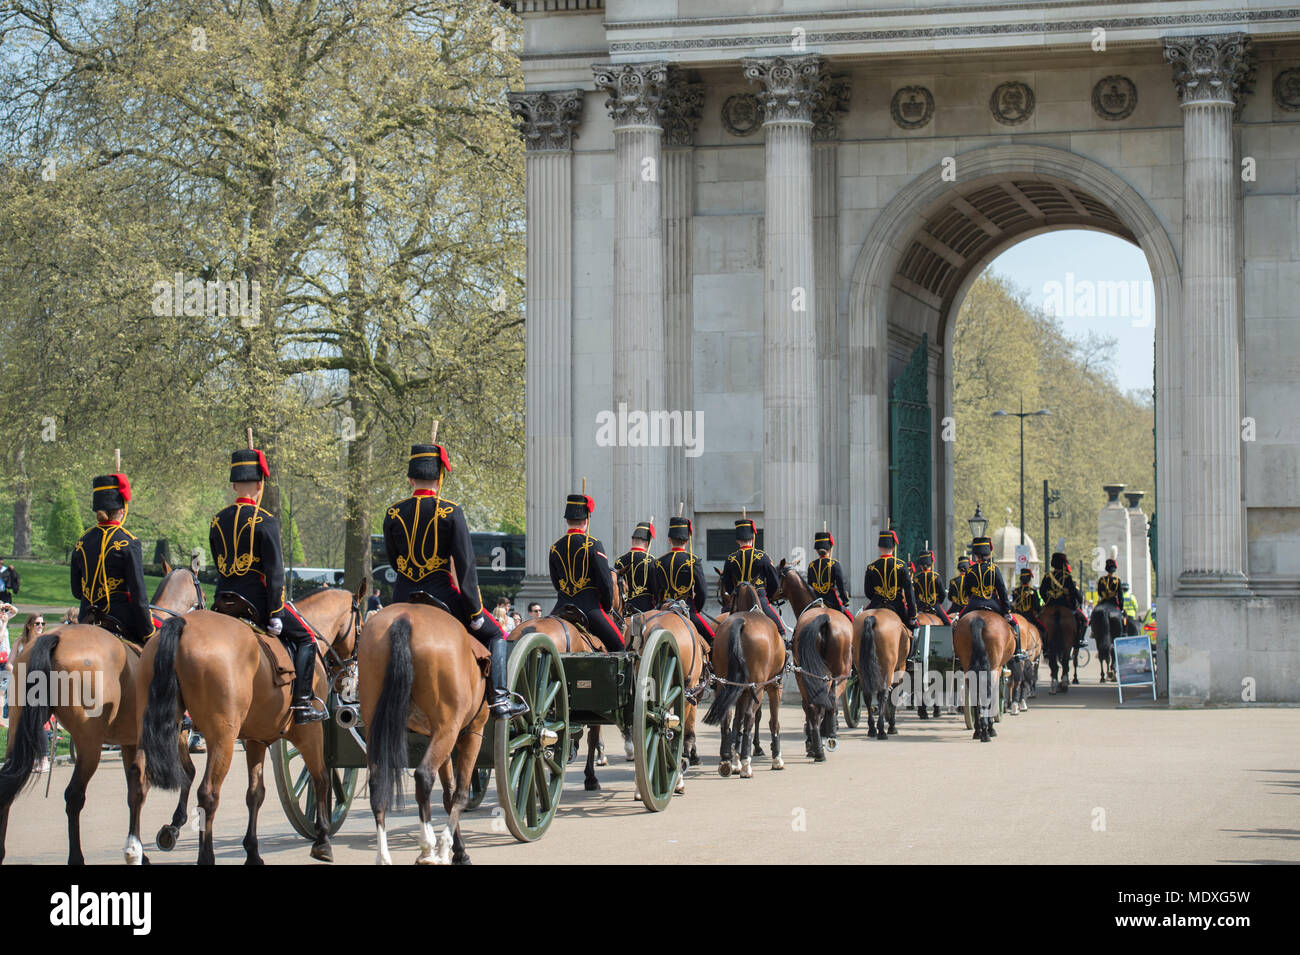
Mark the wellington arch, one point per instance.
(916, 264)
(756, 212)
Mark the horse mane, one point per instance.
(750, 599)
(318, 589)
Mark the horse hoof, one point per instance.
(322, 852)
(603, 761)
(747, 769)
(694, 759)
(975, 735)
(1075, 681)
(629, 752)
(133, 852)
(461, 859)
(724, 769)
(992, 731)
(893, 731)
(920, 712)
(592, 784)
(818, 757)
(778, 762)
(882, 736)
(257, 860)
(166, 838)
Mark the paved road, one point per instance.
(1075, 780)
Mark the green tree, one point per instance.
(63, 526)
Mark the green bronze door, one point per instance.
(909, 454)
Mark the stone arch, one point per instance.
(909, 279)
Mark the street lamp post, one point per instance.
(1022, 414)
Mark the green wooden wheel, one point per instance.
(852, 701)
(530, 750)
(297, 792)
(658, 720)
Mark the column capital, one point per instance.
(791, 86)
(834, 100)
(547, 120)
(636, 91)
(683, 103)
(1213, 68)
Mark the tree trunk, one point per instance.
(356, 546)
(22, 505)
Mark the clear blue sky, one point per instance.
(1092, 282)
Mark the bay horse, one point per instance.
(823, 650)
(1105, 624)
(92, 672)
(749, 650)
(983, 643)
(881, 645)
(1024, 673)
(1058, 644)
(693, 652)
(222, 675)
(419, 669)
(725, 602)
(571, 636)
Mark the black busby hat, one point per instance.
(578, 507)
(823, 540)
(745, 529)
(248, 464)
(427, 462)
(1110, 564)
(110, 492)
(963, 563)
(887, 539)
(1026, 574)
(679, 529)
(645, 531)
(981, 546)
(1058, 561)
(925, 558)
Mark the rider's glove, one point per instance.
(275, 626)
(477, 622)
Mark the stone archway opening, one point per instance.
(919, 260)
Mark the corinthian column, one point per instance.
(790, 90)
(683, 102)
(635, 103)
(547, 122)
(1212, 74)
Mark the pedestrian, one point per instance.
(33, 629)
(534, 610)
(7, 612)
(502, 613)
(373, 603)
(515, 619)
(9, 581)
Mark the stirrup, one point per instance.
(308, 713)
(508, 705)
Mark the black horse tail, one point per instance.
(873, 681)
(728, 694)
(809, 644)
(162, 712)
(25, 735)
(387, 741)
(979, 658)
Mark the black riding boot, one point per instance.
(304, 665)
(503, 705)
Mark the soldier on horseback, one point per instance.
(1060, 590)
(954, 586)
(929, 588)
(747, 564)
(1026, 600)
(1109, 591)
(679, 575)
(425, 536)
(637, 567)
(983, 587)
(888, 583)
(580, 573)
(825, 578)
(245, 543)
(108, 566)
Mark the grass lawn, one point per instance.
(4, 743)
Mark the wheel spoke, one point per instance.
(652, 748)
(671, 697)
(543, 785)
(303, 781)
(523, 797)
(549, 700)
(519, 742)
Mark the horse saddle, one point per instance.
(424, 597)
(281, 662)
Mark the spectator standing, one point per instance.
(9, 581)
(534, 610)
